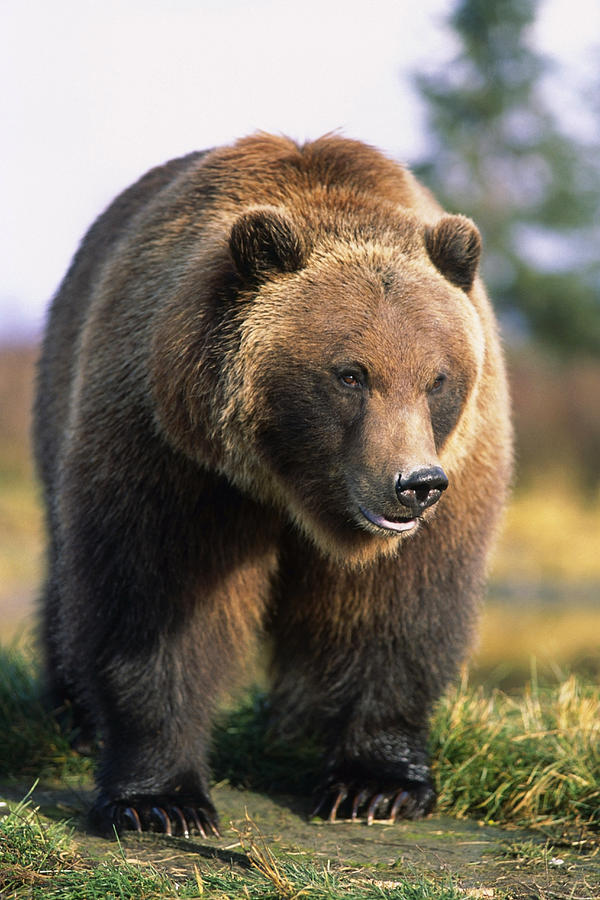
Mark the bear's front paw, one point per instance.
(173, 815)
(346, 800)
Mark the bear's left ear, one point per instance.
(265, 240)
(454, 247)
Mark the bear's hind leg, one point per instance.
(58, 693)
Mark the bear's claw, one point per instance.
(130, 815)
(359, 799)
(163, 820)
(154, 814)
(411, 801)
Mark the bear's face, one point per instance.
(359, 362)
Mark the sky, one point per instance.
(95, 92)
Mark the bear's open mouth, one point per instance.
(397, 525)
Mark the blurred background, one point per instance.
(493, 103)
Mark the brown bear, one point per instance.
(271, 401)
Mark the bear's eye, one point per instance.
(438, 383)
(350, 379)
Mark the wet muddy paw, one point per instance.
(408, 800)
(172, 815)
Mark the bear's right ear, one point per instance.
(454, 247)
(266, 240)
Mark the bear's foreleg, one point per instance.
(162, 591)
(360, 658)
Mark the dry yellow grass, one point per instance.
(551, 533)
(554, 639)
(21, 553)
(20, 533)
(550, 546)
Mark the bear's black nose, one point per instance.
(421, 488)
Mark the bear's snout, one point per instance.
(421, 488)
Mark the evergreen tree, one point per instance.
(498, 154)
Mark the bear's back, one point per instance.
(67, 314)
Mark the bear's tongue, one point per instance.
(388, 524)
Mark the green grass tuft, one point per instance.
(247, 755)
(532, 761)
(39, 859)
(32, 742)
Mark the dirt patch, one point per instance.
(484, 860)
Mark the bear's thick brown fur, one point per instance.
(262, 369)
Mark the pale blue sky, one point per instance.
(97, 92)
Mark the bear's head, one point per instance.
(360, 351)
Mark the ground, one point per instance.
(480, 860)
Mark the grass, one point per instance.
(40, 859)
(246, 756)
(21, 545)
(292, 879)
(532, 761)
(561, 638)
(551, 533)
(32, 742)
